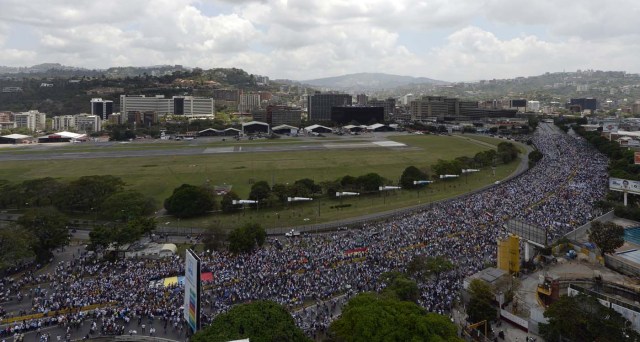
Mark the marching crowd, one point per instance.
(557, 194)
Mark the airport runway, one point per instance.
(61, 153)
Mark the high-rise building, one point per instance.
(64, 123)
(279, 115)
(319, 105)
(389, 106)
(443, 108)
(101, 108)
(32, 120)
(361, 99)
(6, 120)
(249, 102)
(583, 104)
(365, 115)
(188, 106)
(88, 123)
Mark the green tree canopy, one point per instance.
(245, 239)
(485, 158)
(126, 205)
(260, 191)
(507, 152)
(400, 287)
(411, 174)
(370, 182)
(49, 227)
(607, 236)
(481, 306)
(88, 192)
(121, 233)
(447, 167)
(260, 321)
(369, 317)
(422, 266)
(226, 204)
(14, 246)
(189, 201)
(583, 318)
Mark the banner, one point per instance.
(610, 127)
(636, 157)
(192, 288)
(630, 186)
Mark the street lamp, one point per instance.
(243, 202)
(467, 172)
(385, 189)
(421, 182)
(346, 193)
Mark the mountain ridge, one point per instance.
(370, 81)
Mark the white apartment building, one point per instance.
(248, 103)
(64, 123)
(188, 106)
(32, 120)
(87, 123)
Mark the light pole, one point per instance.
(341, 194)
(421, 182)
(385, 189)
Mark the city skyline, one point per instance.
(461, 41)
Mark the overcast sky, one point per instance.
(451, 40)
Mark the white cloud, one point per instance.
(300, 39)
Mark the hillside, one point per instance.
(361, 82)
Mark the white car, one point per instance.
(292, 233)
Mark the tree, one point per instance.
(447, 167)
(411, 174)
(507, 152)
(480, 306)
(14, 246)
(607, 236)
(309, 184)
(244, 239)
(189, 201)
(226, 204)
(370, 317)
(583, 318)
(118, 234)
(88, 192)
(400, 287)
(49, 227)
(534, 157)
(126, 205)
(422, 267)
(261, 321)
(259, 191)
(370, 182)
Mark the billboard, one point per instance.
(609, 126)
(636, 157)
(625, 185)
(192, 290)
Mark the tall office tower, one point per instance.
(101, 108)
(319, 105)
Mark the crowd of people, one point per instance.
(557, 194)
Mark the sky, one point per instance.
(449, 40)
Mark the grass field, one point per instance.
(158, 176)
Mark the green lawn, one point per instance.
(158, 176)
